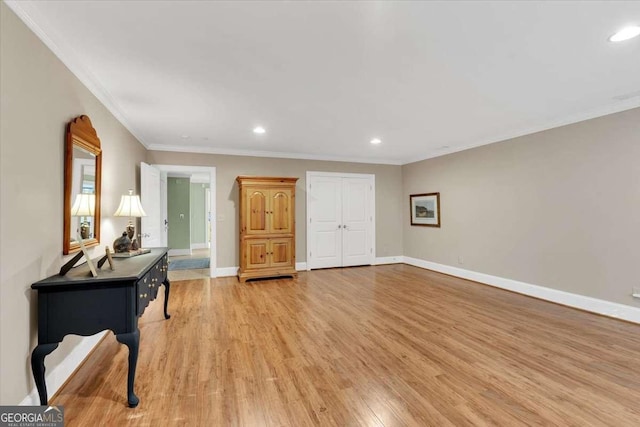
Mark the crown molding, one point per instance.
(270, 154)
(613, 108)
(27, 12)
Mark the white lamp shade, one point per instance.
(130, 206)
(84, 205)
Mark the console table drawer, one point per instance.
(143, 292)
(147, 286)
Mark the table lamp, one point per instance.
(129, 206)
(84, 206)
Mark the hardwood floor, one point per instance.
(196, 273)
(375, 346)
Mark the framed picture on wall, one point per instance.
(425, 209)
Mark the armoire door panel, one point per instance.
(281, 202)
(256, 211)
(257, 253)
(280, 252)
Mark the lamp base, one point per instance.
(131, 230)
(84, 230)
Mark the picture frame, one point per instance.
(92, 267)
(107, 257)
(425, 209)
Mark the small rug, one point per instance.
(188, 264)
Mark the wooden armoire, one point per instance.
(267, 227)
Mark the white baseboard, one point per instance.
(179, 252)
(300, 266)
(226, 271)
(389, 260)
(58, 375)
(199, 246)
(594, 305)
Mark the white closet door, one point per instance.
(324, 222)
(340, 219)
(356, 222)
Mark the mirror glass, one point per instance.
(83, 158)
(83, 186)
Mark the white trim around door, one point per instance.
(211, 171)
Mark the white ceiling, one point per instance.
(324, 78)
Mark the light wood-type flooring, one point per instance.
(195, 273)
(373, 346)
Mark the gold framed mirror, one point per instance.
(82, 178)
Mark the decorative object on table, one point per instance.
(83, 253)
(82, 177)
(129, 206)
(425, 209)
(107, 257)
(84, 207)
(122, 243)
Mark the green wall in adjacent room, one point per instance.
(178, 202)
(198, 213)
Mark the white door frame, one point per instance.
(212, 185)
(150, 197)
(372, 206)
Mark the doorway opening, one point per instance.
(180, 216)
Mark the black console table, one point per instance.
(80, 304)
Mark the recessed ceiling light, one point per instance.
(625, 34)
(376, 141)
(185, 136)
(259, 130)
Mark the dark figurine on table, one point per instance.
(122, 243)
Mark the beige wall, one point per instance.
(39, 96)
(389, 214)
(559, 208)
